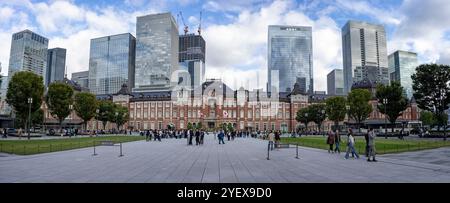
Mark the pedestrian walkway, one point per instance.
(242, 160)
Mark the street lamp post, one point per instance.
(348, 114)
(385, 102)
(323, 114)
(70, 118)
(306, 123)
(97, 111)
(30, 101)
(117, 124)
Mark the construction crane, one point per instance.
(186, 28)
(200, 24)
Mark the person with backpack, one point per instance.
(221, 136)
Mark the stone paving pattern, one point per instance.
(240, 161)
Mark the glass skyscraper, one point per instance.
(402, 65)
(81, 78)
(335, 82)
(156, 52)
(196, 70)
(364, 53)
(56, 65)
(290, 56)
(28, 53)
(111, 63)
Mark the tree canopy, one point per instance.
(396, 101)
(59, 98)
(360, 109)
(24, 85)
(336, 109)
(85, 105)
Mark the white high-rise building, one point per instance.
(28, 53)
(364, 53)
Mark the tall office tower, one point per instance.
(402, 65)
(192, 47)
(364, 53)
(56, 65)
(156, 52)
(291, 54)
(28, 53)
(81, 78)
(196, 69)
(335, 82)
(111, 63)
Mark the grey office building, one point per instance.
(192, 47)
(156, 52)
(290, 56)
(81, 78)
(364, 53)
(111, 63)
(402, 65)
(56, 65)
(196, 70)
(28, 53)
(335, 82)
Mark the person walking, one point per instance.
(271, 138)
(371, 143)
(221, 136)
(197, 137)
(277, 137)
(202, 137)
(366, 137)
(331, 141)
(190, 133)
(147, 135)
(351, 144)
(337, 142)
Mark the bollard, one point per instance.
(268, 150)
(121, 150)
(296, 151)
(95, 154)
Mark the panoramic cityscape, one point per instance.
(258, 92)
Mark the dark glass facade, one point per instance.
(192, 47)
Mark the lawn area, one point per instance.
(28, 147)
(383, 146)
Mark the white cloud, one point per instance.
(423, 29)
(58, 15)
(6, 13)
(386, 16)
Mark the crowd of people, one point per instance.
(334, 141)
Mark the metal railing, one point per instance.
(271, 145)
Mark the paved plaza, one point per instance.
(242, 160)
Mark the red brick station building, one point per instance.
(214, 103)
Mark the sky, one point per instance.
(235, 30)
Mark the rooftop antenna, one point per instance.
(186, 28)
(200, 24)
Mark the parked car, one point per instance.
(11, 132)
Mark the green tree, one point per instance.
(121, 115)
(199, 126)
(105, 112)
(24, 85)
(318, 114)
(336, 110)
(427, 118)
(304, 116)
(230, 127)
(59, 98)
(360, 109)
(85, 105)
(396, 101)
(431, 85)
